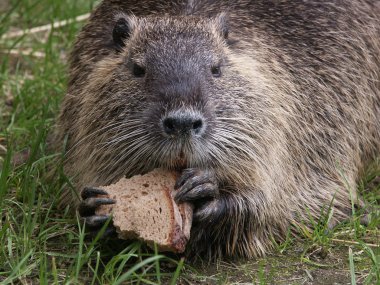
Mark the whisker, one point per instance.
(72, 148)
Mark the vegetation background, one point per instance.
(41, 245)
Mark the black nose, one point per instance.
(183, 124)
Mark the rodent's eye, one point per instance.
(138, 70)
(216, 71)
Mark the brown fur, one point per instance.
(292, 121)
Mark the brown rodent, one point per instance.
(270, 108)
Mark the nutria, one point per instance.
(270, 109)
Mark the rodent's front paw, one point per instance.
(196, 184)
(90, 202)
(200, 188)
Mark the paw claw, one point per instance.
(186, 174)
(89, 192)
(109, 231)
(96, 221)
(96, 202)
(92, 198)
(195, 184)
(207, 190)
(88, 206)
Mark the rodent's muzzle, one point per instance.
(183, 123)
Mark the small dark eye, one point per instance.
(138, 70)
(216, 72)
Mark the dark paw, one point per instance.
(195, 184)
(90, 202)
(200, 188)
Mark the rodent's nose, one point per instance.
(182, 124)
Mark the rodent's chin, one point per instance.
(176, 165)
(179, 159)
(181, 162)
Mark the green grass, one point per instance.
(42, 245)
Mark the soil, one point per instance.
(291, 267)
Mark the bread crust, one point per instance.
(129, 201)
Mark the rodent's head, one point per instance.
(162, 98)
(175, 63)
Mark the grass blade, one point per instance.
(352, 268)
(177, 271)
(136, 267)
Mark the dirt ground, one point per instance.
(320, 267)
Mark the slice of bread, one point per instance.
(145, 210)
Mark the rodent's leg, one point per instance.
(90, 201)
(199, 187)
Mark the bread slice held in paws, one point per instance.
(145, 210)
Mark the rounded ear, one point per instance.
(122, 29)
(221, 22)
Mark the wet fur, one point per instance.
(291, 123)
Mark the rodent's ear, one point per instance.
(221, 22)
(122, 29)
